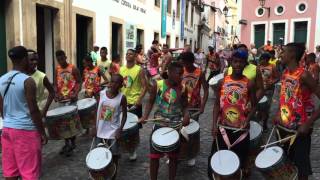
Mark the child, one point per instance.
(115, 65)
(92, 78)
(109, 124)
(297, 85)
(231, 112)
(172, 104)
(312, 66)
(269, 77)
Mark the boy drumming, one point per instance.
(193, 80)
(92, 78)
(67, 86)
(231, 113)
(297, 85)
(171, 100)
(109, 124)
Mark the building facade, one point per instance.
(75, 25)
(290, 20)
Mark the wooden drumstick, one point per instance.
(279, 141)
(269, 137)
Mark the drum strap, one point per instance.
(226, 138)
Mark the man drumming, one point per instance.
(194, 80)
(67, 86)
(134, 88)
(171, 100)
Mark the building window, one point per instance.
(279, 10)
(168, 40)
(260, 12)
(192, 10)
(301, 7)
(157, 3)
(301, 31)
(178, 8)
(177, 42)
(156, 36)
(169, 7)
(186, 13)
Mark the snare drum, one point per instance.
(165, 140)
(63, 122)
(87, 109)
(225, 164)
(214, 81)
(100, 165)
(273, 164)
(263, 103)
(130, 138)
(191, 147)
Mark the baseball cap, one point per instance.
(239, 53)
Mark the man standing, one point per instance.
(23, 131)
(103, 63)
(94, 54)
(213, 62)
(134, 88)
(166, 58)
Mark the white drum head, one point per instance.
(163, 137)
(61, 110)
(86, 103)
(131, 121)
(98, 158)
(216, 79)
(269, 157)
(263, 100)
(255, 130)
(225, 162)
(193, 127)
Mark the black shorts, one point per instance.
(137, 110)
(299, 152)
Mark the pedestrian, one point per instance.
(318, 54)
(187, 48)
(94, 54)
(268, 47)
(67, 86)
(134, 88)
(92, 78)
(193, 81)
(141, 57)
(199, 58)
(166, 59)
(109, 122)
(23, 132)
(42, 83)
(115, 65)
(103, 63)
(153, 49)
(231, 111)
(269, 76)
(312, 66)
(297, 85)
(213, 63)
(172, 104)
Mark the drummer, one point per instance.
(171, 103)
(92, 78)
(269, 76)
(42, 83)
(297, 85)
(213, 63)
(109, 124)
(231, 113)
(194, 80)
(134, 87)
(67, 86)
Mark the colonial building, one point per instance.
(290, 20)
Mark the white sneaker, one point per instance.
(133, 156)
(192, 162)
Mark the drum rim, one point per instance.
(74, 111)
(259, 135)
(279, 160)
(108, 164)
(264, 97)
(87, 107)
(169, 129)
(134, 126)
(238, 167)
(213, 81)
(165, 149)
(198, 129)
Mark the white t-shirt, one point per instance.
(108, 115)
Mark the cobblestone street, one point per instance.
(57, 167)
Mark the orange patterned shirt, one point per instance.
(66, 82)
(91, 80)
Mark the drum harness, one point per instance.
(225, 137)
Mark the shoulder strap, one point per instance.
(9, 83)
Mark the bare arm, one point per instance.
(104, 77)
(152, 89)
(316, 74)
(144, 85)
(259, 85)
(253, 100)
(1, 106)
(205, 87)
(50, 98)
(30, 93)
(76, 74)
(216, 109)
(184, 102)
(124, 111)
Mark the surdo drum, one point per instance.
(165, 139)
(87, 109)
(190, 147)
(130, 138)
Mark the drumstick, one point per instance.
(269, 137)
(168, 132)
(279, 141)
(195, 114)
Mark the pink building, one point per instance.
(292, 20)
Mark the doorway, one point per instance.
(140, 37)
(259, 35)
(278, 32)
(116, 39)
(300, 32)
(3, 49)
(168, 40)
(156, 36)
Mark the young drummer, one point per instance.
(194, 80)
(172, 104)
(109, 122)
(269, 77)
(67, 86)
(297, 85)
(231, 113)
(312, 66)
(92, 78)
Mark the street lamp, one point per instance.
(262, 4)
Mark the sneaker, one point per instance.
(192, 162)
(133, 156)
(64, 149)
(69, 151)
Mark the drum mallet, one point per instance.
(279, 141)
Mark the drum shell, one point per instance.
(282, 170)
(190, 149)
(235, 176)
(166, 149)
(105, 173)
(130, 141)
(88, 117)
(255, 143)
(63, 126)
